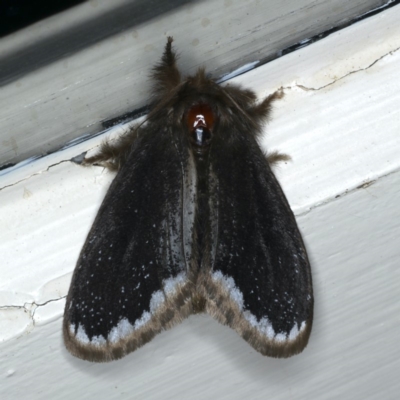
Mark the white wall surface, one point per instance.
(62, 77)
(340, 122)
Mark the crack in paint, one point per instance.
(307, 89)
(36, 173)
(44, 304)
(31, 308)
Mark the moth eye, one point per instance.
(200, 121)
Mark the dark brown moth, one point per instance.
(194, 221)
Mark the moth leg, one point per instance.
(113, 153)
(262, 111)
(275, 157)
(166, 75)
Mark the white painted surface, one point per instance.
(69, 87)
(341, 136)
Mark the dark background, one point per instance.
(17, 14)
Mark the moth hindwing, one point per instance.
(194, 221)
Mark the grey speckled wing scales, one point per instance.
(258, 280)
(132, 278)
